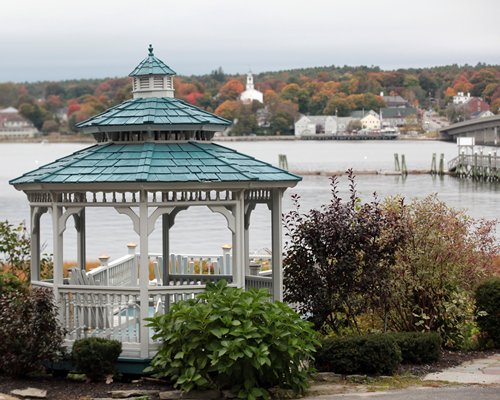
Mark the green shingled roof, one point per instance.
(156, 162)
(152, 66)
(167, 111)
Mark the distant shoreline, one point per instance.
(90, 139)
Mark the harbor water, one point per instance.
(199, 231)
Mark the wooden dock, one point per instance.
(478, 167)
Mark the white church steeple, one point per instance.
(251, 94)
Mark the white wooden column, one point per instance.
(81, 239)
(143, 274)
(35, 244)
(276, 244)
(239, 241)
(249, 207)
(58, 232)
(165, 226)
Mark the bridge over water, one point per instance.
(484, 130)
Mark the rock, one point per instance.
(129, 398)
(32, 393)
(227, 394)
(193, 395)
(126, 394)
(171, 395)
(327, 377)
(4, 396)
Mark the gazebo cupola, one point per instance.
(152, 78)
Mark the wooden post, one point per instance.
(143, 275)
(165, 249)
(133, 271)
(404, 170)
(81, 240)
(276, 245)
(239, 263)
(397, 167)
(57, 246)
(104, 259)
(283, 162)
(441, 164)
(35, 244)
(433, 164)
(226, 259)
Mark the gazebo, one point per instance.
(153, 158)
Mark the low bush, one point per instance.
(370, 354)
(488, 309)
(228, 338)
(11, 283)
(418, 347)
(29, 331)
(96, 357)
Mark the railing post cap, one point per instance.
(131, 245)
(227, 247)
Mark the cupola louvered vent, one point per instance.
(158, 82)
(144, 83)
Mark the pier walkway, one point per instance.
(476, 166)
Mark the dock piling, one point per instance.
(404, 170)
(283, 162)
(397, 167)
(433, 164)
(441, 164)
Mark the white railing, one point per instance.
(102, 311)
(112, 312)
(120, 272)
(259, 282)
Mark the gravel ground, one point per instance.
(64, 389)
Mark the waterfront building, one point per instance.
(397, 116)
(315, 124)
(13, 125)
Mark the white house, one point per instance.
(371, 122)
(14, 125)
(251, 94)
(316, 124)
(460, 98)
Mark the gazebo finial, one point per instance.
(150, 48)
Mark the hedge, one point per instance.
(370, 354)
(418, 347)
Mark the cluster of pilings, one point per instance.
(480, 167)
(400, 167)
(434, 169)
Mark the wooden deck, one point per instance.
(105, 302)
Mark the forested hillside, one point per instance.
(57, 106)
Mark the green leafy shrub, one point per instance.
(488, 309)
(96, 357)
(11, 283)
(227, 338)
(371, 354)
(15, 248)
(418, 347)
(29, 331)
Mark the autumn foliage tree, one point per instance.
(445, 255)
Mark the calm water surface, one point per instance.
(199, 231)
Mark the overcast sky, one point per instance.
(53, 40)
